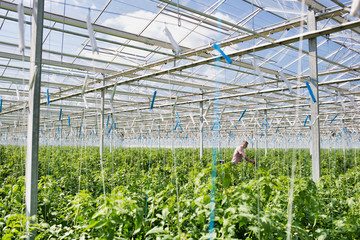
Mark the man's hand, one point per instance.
(249, 160)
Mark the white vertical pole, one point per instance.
(102, 103)
(315, 128)
(201, 127)
(32, 154)
(266, 138)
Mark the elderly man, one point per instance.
(239, 154)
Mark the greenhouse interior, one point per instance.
(184, 119)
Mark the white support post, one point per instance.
(102, 103)
(201, 126)
(32, 154)
(266, 138)
(315, 128)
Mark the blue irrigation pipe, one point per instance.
(107, 122)
(60, 114)
(333, 119)
(267, 123)
(213, 126)
(153, 100)
(48, 96)
(310, 91)
(178, 117)
(242, 115)
(227, 58)
(307, 117)
(177, 123)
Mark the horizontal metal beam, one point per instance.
(82, 24)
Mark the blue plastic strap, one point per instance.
(177, 123)
(206, 133)
(60, 114)
(235, 127)
(153, 100)
(307, 117)
(178, 117)
(261, 126)
(217, 47)
(180, 127)
(242, 115)
(192, 131)
(58, 129)
(69, 121)
(0, 105)
(114, 125)
(41, 132)
(109, 129)
(80, 129)
(344, 130)
(277, 129)
(310, 91)
(333, 119)
(107, 122)
(48, 96)
(265, 132)
(267, 123)
(215, 125)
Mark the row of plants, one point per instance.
(164, 194)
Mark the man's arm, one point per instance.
(248, 159)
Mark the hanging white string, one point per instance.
(112, 109)
(91, 33)
(286, 81)
(258, 72)
(21, 27)
(355, 6)
(84, 84)
(293, 165)
(176, 47)
(353, 102)
(84, 89)
(113, 92)
(85, 102)
(17, 92)
(341, 101)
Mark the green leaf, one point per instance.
(155, 230)
(227, 180)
